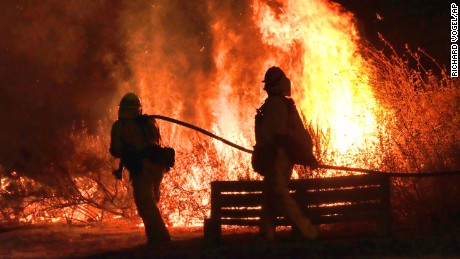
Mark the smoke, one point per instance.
(60, 64)
(168, 43)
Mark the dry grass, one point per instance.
(419, 132)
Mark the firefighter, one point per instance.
(281, 142)
(131, 135)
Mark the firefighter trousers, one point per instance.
(146, 190)
(277, 201)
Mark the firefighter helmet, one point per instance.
(130, 100)
(276, 82)
(273, 75)
(130, 106)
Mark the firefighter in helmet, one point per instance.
(281, 142)
(131, 134)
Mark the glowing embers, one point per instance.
(25, 200)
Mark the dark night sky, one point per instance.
(419, 23)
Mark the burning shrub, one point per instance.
(419, 132)
(80, 189)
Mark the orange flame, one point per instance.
(330, 78)
(315, 42)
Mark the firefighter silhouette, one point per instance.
(281, 142)
(131, 134)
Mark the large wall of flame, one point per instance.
(68, 62)
(64, 63)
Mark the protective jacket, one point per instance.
(131, 137)
(280, 132)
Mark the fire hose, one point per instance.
(341, 168)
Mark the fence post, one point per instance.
(213, 225)
(384, 226)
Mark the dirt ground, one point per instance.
(126, 240)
